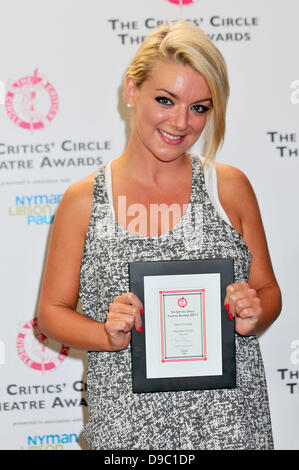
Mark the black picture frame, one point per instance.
(142, 384)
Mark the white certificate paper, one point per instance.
(183, 325)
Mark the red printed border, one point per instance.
(182, 291)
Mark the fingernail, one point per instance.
(230, 316)
(237, 315)
(226, 306)
(142, 312)
(140, 329)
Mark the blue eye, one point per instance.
(200, 109)
(163, 100)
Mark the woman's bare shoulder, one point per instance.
(82, 188)
(76, 203)
(236, 195)
(232, 182)
(227, 173)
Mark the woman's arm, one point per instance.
(257, 303)
(57, 314)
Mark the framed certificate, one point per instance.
(187, 341)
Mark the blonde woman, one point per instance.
(176, 88)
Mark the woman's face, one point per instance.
(170, 110)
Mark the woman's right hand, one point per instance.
(123, 315)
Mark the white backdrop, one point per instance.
(61, 116)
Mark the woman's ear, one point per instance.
(130, 91)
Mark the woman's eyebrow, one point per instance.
(175, 96)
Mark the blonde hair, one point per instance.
(186, 44)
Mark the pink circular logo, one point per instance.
(181, 2)
(182, 302)
(31, 102)
(33, 348)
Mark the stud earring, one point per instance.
(129, 105)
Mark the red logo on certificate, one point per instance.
(182, 302)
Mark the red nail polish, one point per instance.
(226, 306)
(140, 329)
(142, 312)
(230, 316)
(237, 315)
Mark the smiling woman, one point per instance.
(169, 115)
(188, 46)
(188, 209)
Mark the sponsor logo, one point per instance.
(50, 441)
(31, 102)
(36, 209)
(33, 348)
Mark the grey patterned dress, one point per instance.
(203, 419)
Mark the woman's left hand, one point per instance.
(243, 303)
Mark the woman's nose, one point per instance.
(179, 119)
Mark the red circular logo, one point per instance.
(33, 348)
(182, 302)
(31, 102)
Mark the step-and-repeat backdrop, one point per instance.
(62, 116)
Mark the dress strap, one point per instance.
(210, 177)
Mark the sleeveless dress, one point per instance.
(186, 420)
